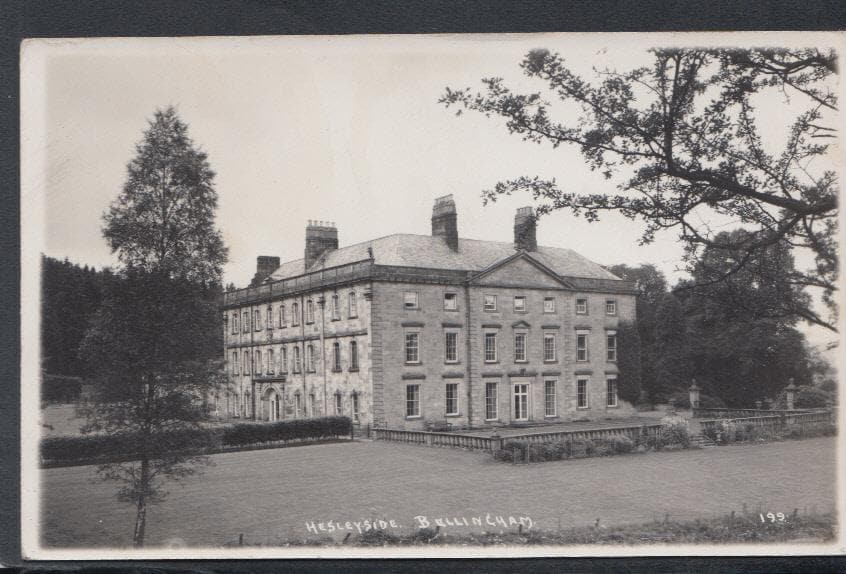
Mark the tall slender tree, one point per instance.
(155, 341)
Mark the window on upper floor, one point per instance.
(295, 314)
(310, 358)
(610, 307)
(257, 362)
(283, 320)
(581, 306)
(352, 309)
(245, 321)
(490, 348)
(283, 359)
(490, 303)
(336, 307)
(235, 368)
(336, 357)
(450, 301)
(270, 366)
(549, 304)
(353, 356)
(257, 320)
(269, 318)
(412, 347)
(549, 350)
(611, 346)
(234, 323)
(520, 351)
(296, 365)
(582, 345)
(247, 360)
(451, 347)
(309, 311)
(519, 304)
(410, 300)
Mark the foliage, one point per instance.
(622, 444)
(70, 295)
(743, 353)
(297, 429)
(163, 222)
(79, 449)
(154, 344)
(628, 362)
(682, 139)
(674, 431)
(811, 398)
(652, 286)
(681, 400)
(129, 446)
(672, 364)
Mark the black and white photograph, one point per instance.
(553, 294)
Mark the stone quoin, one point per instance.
(426, 331)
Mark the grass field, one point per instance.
(274, 493)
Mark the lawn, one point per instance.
(273, 494)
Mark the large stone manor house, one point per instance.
(426, 331)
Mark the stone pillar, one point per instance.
(694, 395)
(790, 393)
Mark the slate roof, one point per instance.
(427, 251)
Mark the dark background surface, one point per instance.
(80, 18)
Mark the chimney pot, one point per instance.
(265, 265)
(321, 238)
(525, 230)
(445, 221)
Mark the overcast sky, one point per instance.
(344, 129)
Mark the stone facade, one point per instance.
(447, 332)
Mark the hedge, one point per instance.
(124, 446)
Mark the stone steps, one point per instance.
(701, 441)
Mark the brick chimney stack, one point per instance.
(321, 237)
(525, 230)
(265, 265)
(445, 221)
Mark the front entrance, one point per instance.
(520, 403)
(274, 403)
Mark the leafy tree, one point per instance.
(70, 295)
(747, 346)
(163, 222)
(155, 341)
(652, 286)
(672, 365)
(628, 362)
(682, 137)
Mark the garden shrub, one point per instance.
(124, 446)
(520, 446)
(674, 431)
(622, 444)
(297, 429)
(504, 455)
(811, 398)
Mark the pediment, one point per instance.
(519, 270)
(521, 324)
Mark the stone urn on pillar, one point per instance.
(694, 395)
(790, 393)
